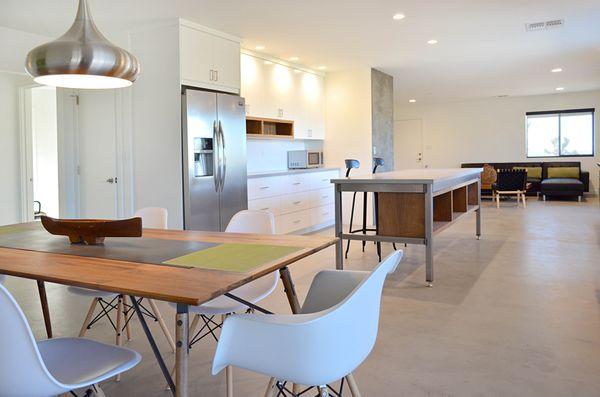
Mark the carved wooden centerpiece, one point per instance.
(92, 231)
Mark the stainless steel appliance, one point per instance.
(304, 159)
(214, 159)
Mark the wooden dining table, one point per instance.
(183, 267)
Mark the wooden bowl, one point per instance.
(92, 231)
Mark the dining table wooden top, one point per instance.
(161, 281)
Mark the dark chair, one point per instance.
(510, 182)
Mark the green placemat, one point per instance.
(18, 228)
(233, 257)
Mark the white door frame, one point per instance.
(68, 153)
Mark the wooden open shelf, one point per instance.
(262, 128)
(403, 214)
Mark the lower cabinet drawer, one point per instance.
(321, 197)
(291, 222)
(323, 214)
(295, 202)
(271, 204)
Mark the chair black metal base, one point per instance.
(283, 391)
(106, 307)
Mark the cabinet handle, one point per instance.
(297, 202)
(212, 75)
(324, 213)
(297, 183)
(263, 187)
(324, 196)
(264, 209)
(298, 221)
(325, 180)
(216, 75)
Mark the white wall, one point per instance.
(348, 124)
(10, 174)
(491, 130)
(45, 148)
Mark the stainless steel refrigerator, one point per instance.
(214, 159)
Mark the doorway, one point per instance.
(408, 144)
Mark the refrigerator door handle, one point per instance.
(223, 172)
(216, 160)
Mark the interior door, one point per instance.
(97, 154)
(408, 144)
(200, 182)
(232, 124)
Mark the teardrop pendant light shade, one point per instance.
(82, 58)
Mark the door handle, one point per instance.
(216, 163)
(111, 180)
(224, 157)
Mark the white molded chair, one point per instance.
(332, 336)
(2, 278)
(152, 218)
(53, 366)
(246, 221)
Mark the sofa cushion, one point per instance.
(562, 185)
(532, 172)
(563, 172)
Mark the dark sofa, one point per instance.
(547, 186)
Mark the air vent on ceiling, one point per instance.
(544, 25)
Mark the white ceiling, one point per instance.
(483, 48)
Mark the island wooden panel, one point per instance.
(459, 199)
(473, 194)
(401, 214)
(442, 207)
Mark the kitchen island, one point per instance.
(412, 206)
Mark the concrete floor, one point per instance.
(514, 314)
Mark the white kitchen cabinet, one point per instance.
(300, 201)
(273, 90)
(208, 59)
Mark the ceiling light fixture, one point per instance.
(268, 63)
(432, 41)
(82, 58)
(321, 67)
(260, 47)
(412, 100)
(556, 70)
(398, 16)
(294, 59)
(560, 88)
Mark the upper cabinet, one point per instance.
(209, 59)
(276, 91)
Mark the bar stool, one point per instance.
(350, 163)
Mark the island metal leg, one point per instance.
(428, 236)
(478, 212)
(339, 225)
(182, 350)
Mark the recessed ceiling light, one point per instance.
(412, 100)
(398, 16)
(556, 70)
(294, 59)
(260, 47)
(268, 62)
(560, 88)
(321, 67)
(432, 41)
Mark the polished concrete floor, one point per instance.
(514, 314)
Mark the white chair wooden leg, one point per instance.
(497, 200)
(229, 380)
(88, 317)
(270, 387)
(323, 392)
(162, 324)
(128, 325)
(352, 385)
(523, 196)
(119, 326)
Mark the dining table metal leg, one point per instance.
(159, 358)
(183, 348)
(46, 312)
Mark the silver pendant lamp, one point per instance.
(82, 58)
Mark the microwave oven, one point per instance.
(304, 159)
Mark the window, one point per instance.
(564, 133)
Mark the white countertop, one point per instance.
(438, 177)
(288, 172)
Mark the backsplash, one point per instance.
(271, 154)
